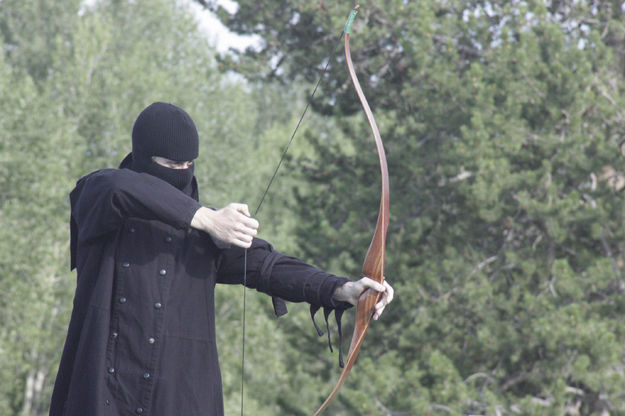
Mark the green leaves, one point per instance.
(500, 122)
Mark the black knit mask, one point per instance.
(167, 131)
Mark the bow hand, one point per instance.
(351, 291)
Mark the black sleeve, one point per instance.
(275, 274)
(102, 199)
(284, 277)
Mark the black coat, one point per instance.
(141, 340)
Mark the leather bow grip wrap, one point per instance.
(373, 266)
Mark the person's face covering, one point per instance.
(165, 143)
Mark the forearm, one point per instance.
(296, 281)
(273, 273)
(203, 219)
(102, 200)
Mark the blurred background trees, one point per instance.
(503, 123)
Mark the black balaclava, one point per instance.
(167, 131)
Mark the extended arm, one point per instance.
(272, 272)
(289, 278)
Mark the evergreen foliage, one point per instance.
(503, 125)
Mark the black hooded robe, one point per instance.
(141, 339)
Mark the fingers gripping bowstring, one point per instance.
(262, 199)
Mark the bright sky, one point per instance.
(216, 31)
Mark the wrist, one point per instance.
(336, 296)
(203, 219)
(340, 295)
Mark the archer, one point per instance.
(141, 339)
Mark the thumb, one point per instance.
(369, 283)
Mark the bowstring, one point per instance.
(262, 199)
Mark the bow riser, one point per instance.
(373, 266)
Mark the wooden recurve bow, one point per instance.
(373, 266)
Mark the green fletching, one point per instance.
(350, 20)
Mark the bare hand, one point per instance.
(231, 224)
(351, 291)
